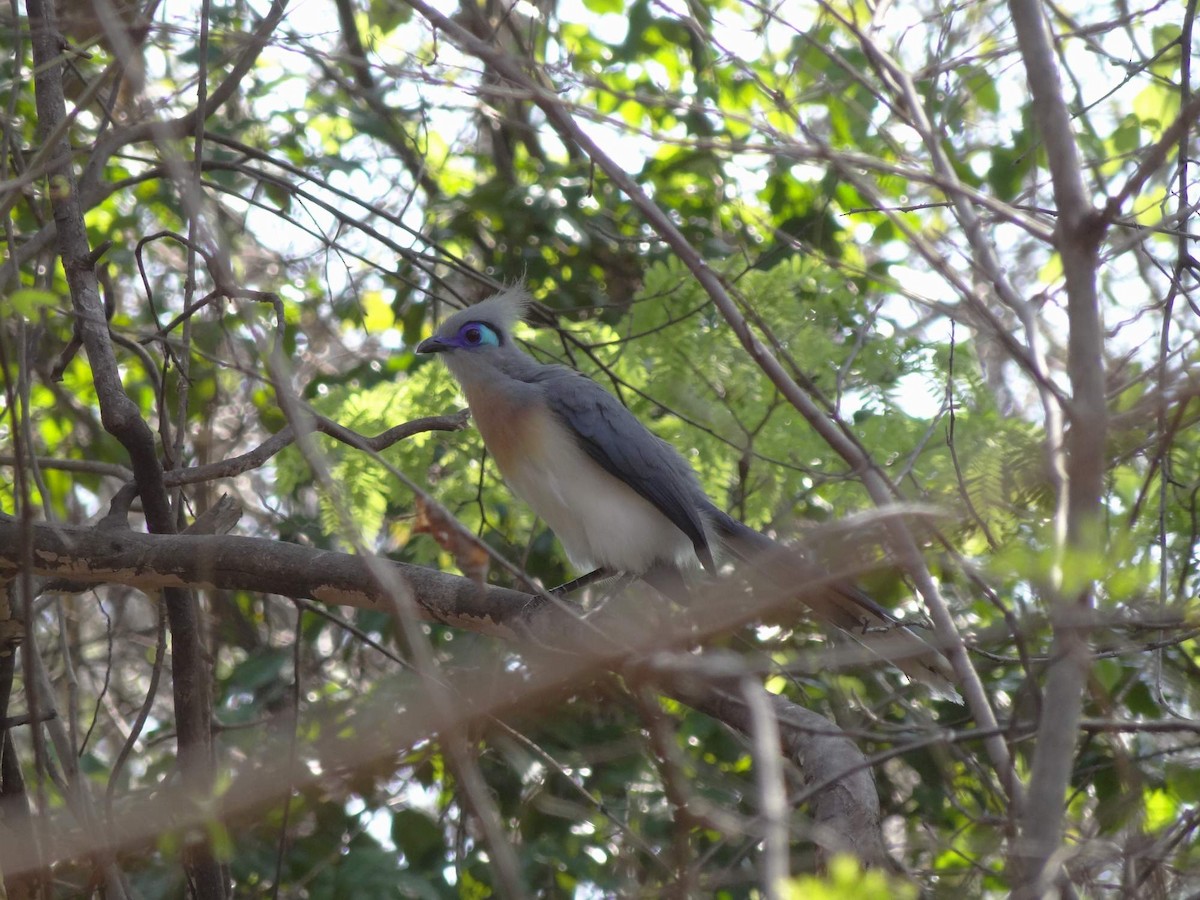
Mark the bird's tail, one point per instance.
(843, 605)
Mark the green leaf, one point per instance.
(27, 302)
(847, 881)
(604, 7)
(257, 671)
(418, 837)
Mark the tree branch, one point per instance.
(1035, 857)
(252, 459)
(122, 418)
(847, 815)
(551, 633)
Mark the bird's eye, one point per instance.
(477, 334)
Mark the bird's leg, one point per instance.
(582, 581)
(613, 587)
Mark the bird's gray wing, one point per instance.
(613, 437)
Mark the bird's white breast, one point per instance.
(599, 519)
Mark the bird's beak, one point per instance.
(434, 344)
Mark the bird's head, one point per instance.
(482, 330)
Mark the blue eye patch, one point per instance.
(477, 334)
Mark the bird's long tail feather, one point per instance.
(843, 605)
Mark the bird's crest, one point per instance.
(502, 311)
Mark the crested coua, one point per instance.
(620, 499)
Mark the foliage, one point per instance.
(874, 188)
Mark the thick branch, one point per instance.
(151, 562)
(391, 721)
(550, 633)
(1036, 856)
(847, 818)
(123, 419)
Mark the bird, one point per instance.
(621, 500)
